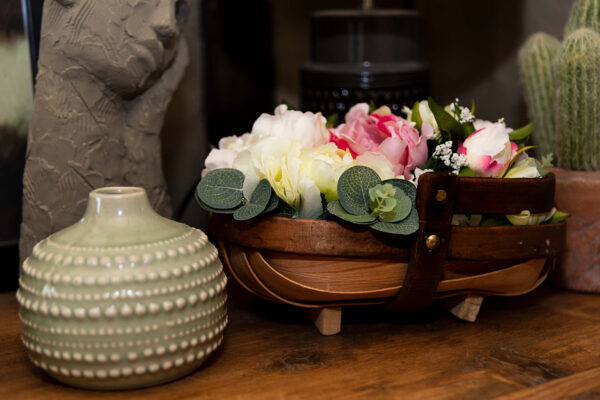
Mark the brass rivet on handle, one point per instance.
(441, 195)
(432, 242)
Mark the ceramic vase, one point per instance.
(124, 298)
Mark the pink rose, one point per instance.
(384, 133)
(489, 150)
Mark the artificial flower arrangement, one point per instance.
(365, 170)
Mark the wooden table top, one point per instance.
(544, 345)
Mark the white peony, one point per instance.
(229, 148)
(282, 163)
(307, 128)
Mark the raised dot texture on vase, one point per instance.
(121, 316)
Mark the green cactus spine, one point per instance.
(535, 60)
(578, 101)
(584, 14)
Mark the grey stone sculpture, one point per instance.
(107, 71)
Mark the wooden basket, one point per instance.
(325, 265)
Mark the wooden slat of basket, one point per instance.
(338, 274)
(309, 236)
(306, 291)
(507, 242)
(515, 279)
(504, 196)
(251, 269)
(235, 261)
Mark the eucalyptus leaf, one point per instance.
(353, 189)
(407, 226)
(221, 188)
(407, 187)
(273, 203)
(215, 210)
(521, 135)
(335, 208)
(257, 204)
(403, 208)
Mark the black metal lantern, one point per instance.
(363, 55)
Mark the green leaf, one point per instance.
(407, 187)
(407, 226)
(540, 168)
(547, 160)
(257, 204)
(215, 210)
(335, 208)
(494, 220)
(473, 106)
(221, 188)
(467, 172)
(434, 164)
(416, 116)
(353, 189)
(468, 128)
(372, 106)
(521, 135)
(333, 120)
(446, 122)
(559, 216)
(273, 203)
(514, 159)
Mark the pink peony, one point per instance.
(384, 133)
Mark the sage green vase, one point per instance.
(124, 298)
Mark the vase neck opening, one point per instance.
(118, 201)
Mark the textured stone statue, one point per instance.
(107, 71)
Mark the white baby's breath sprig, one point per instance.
(452, 160)
(466, 115)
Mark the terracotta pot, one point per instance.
(578, 193)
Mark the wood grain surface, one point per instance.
(544, 345)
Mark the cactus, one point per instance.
(562, 88)
(578, 101)
(536, 59)
(584, 14)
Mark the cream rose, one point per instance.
(489, 150)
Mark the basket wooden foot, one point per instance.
(327, 320)
(464, 307)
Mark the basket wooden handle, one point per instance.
(435, 204)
